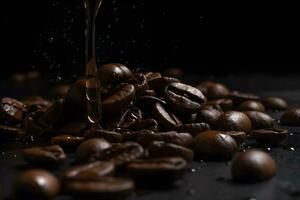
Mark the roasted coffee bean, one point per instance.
(12, 110)
(73, 128)
(52, 117)
(59, 91)
(270, 136)
(148, 93)
(239, 136)
(110, 136)
(88, 171)
(162, 149)
(47, 156)
(213, 145)
(209, 116)
(146, 102)
(36, 184)
(291, 117)
(32, 76)
(274, 103)
(159, 84)
(132, 135)
(91, 149)
(149, 124)
(184, 98)
(108, 188)
(193, 129)
(75, 100)
(140, 83)
(68, 142)
(221, 104)
(252, 106)
(10, 131)
(260, 120)
(234, 121)
(253, 166)
(238, 98)
(119, 100)
(174, 72)
(17, 79)
(213, 90)
(129, 118)
(113, 73)
(167, 170)
(122, 153)
(35, 103)
(166, 119)
(152, 75)
(146, 138)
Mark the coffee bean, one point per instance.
(221, 104)
(213, 90)
(270, 136)
(260, 120)
(110, 136)
(147, 102)
(149, 124)
(252, 166)
(11, 132)
(88, 171)
(234, 121)
(174, 72)
(108, 188)
(122, 153)
(148, 93)
(120, 99)
(166, 119)
(91, 149)
(73, 128)
(209, 116)
(238, 98)
(162, 149)
(36, 184)
(184, 98)
(152, 75)
(213, 145)
(193, 129)
(291, 117)
(274, 103)
(132, 135)
(68, 142)
(129, 118)
(159, 84)
(113, 73)
(17, 79)
(252, 106)
(140, 83)
(146, 138)
(12, 110)
(167, 170)
(239, 136)
(35, 103)
(59, 91)
(47, 156)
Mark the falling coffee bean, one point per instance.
(253, 166)
(213, 145)
(36, 184)
(291, 117)
(47, 156)
(270, 136)
(260, 120)
(91, 149)
(162, 149)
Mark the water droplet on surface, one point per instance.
(3, 153)
(51, 39)
(15, 155)
(291, 134)
(192, 170)
(289, 147)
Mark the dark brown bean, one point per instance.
(209, 116)
(166, 119)
(193, 129)
(113, 73)
(213, 145)
(291, 117)
(48, 156)
(213, 90)
(270, 136)
(252, 166)
(239, 136)
(162, 149)
(221, 104)
(110, 136)
(260, 120)
(149, 124)
(36, 184)
(12, 110)
(68, 142)
(140, 83)
(274, 103)
(91, 149)
(239, 97)
(234, 121)
(252, 106)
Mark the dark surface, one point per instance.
(211, 180)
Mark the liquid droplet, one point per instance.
(15, 155)
(289, 147)
(192, 170)
(51, 39)
(291, 134)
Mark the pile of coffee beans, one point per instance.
(152, 128)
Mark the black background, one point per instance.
(198, 36)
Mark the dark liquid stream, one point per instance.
(92, 83)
